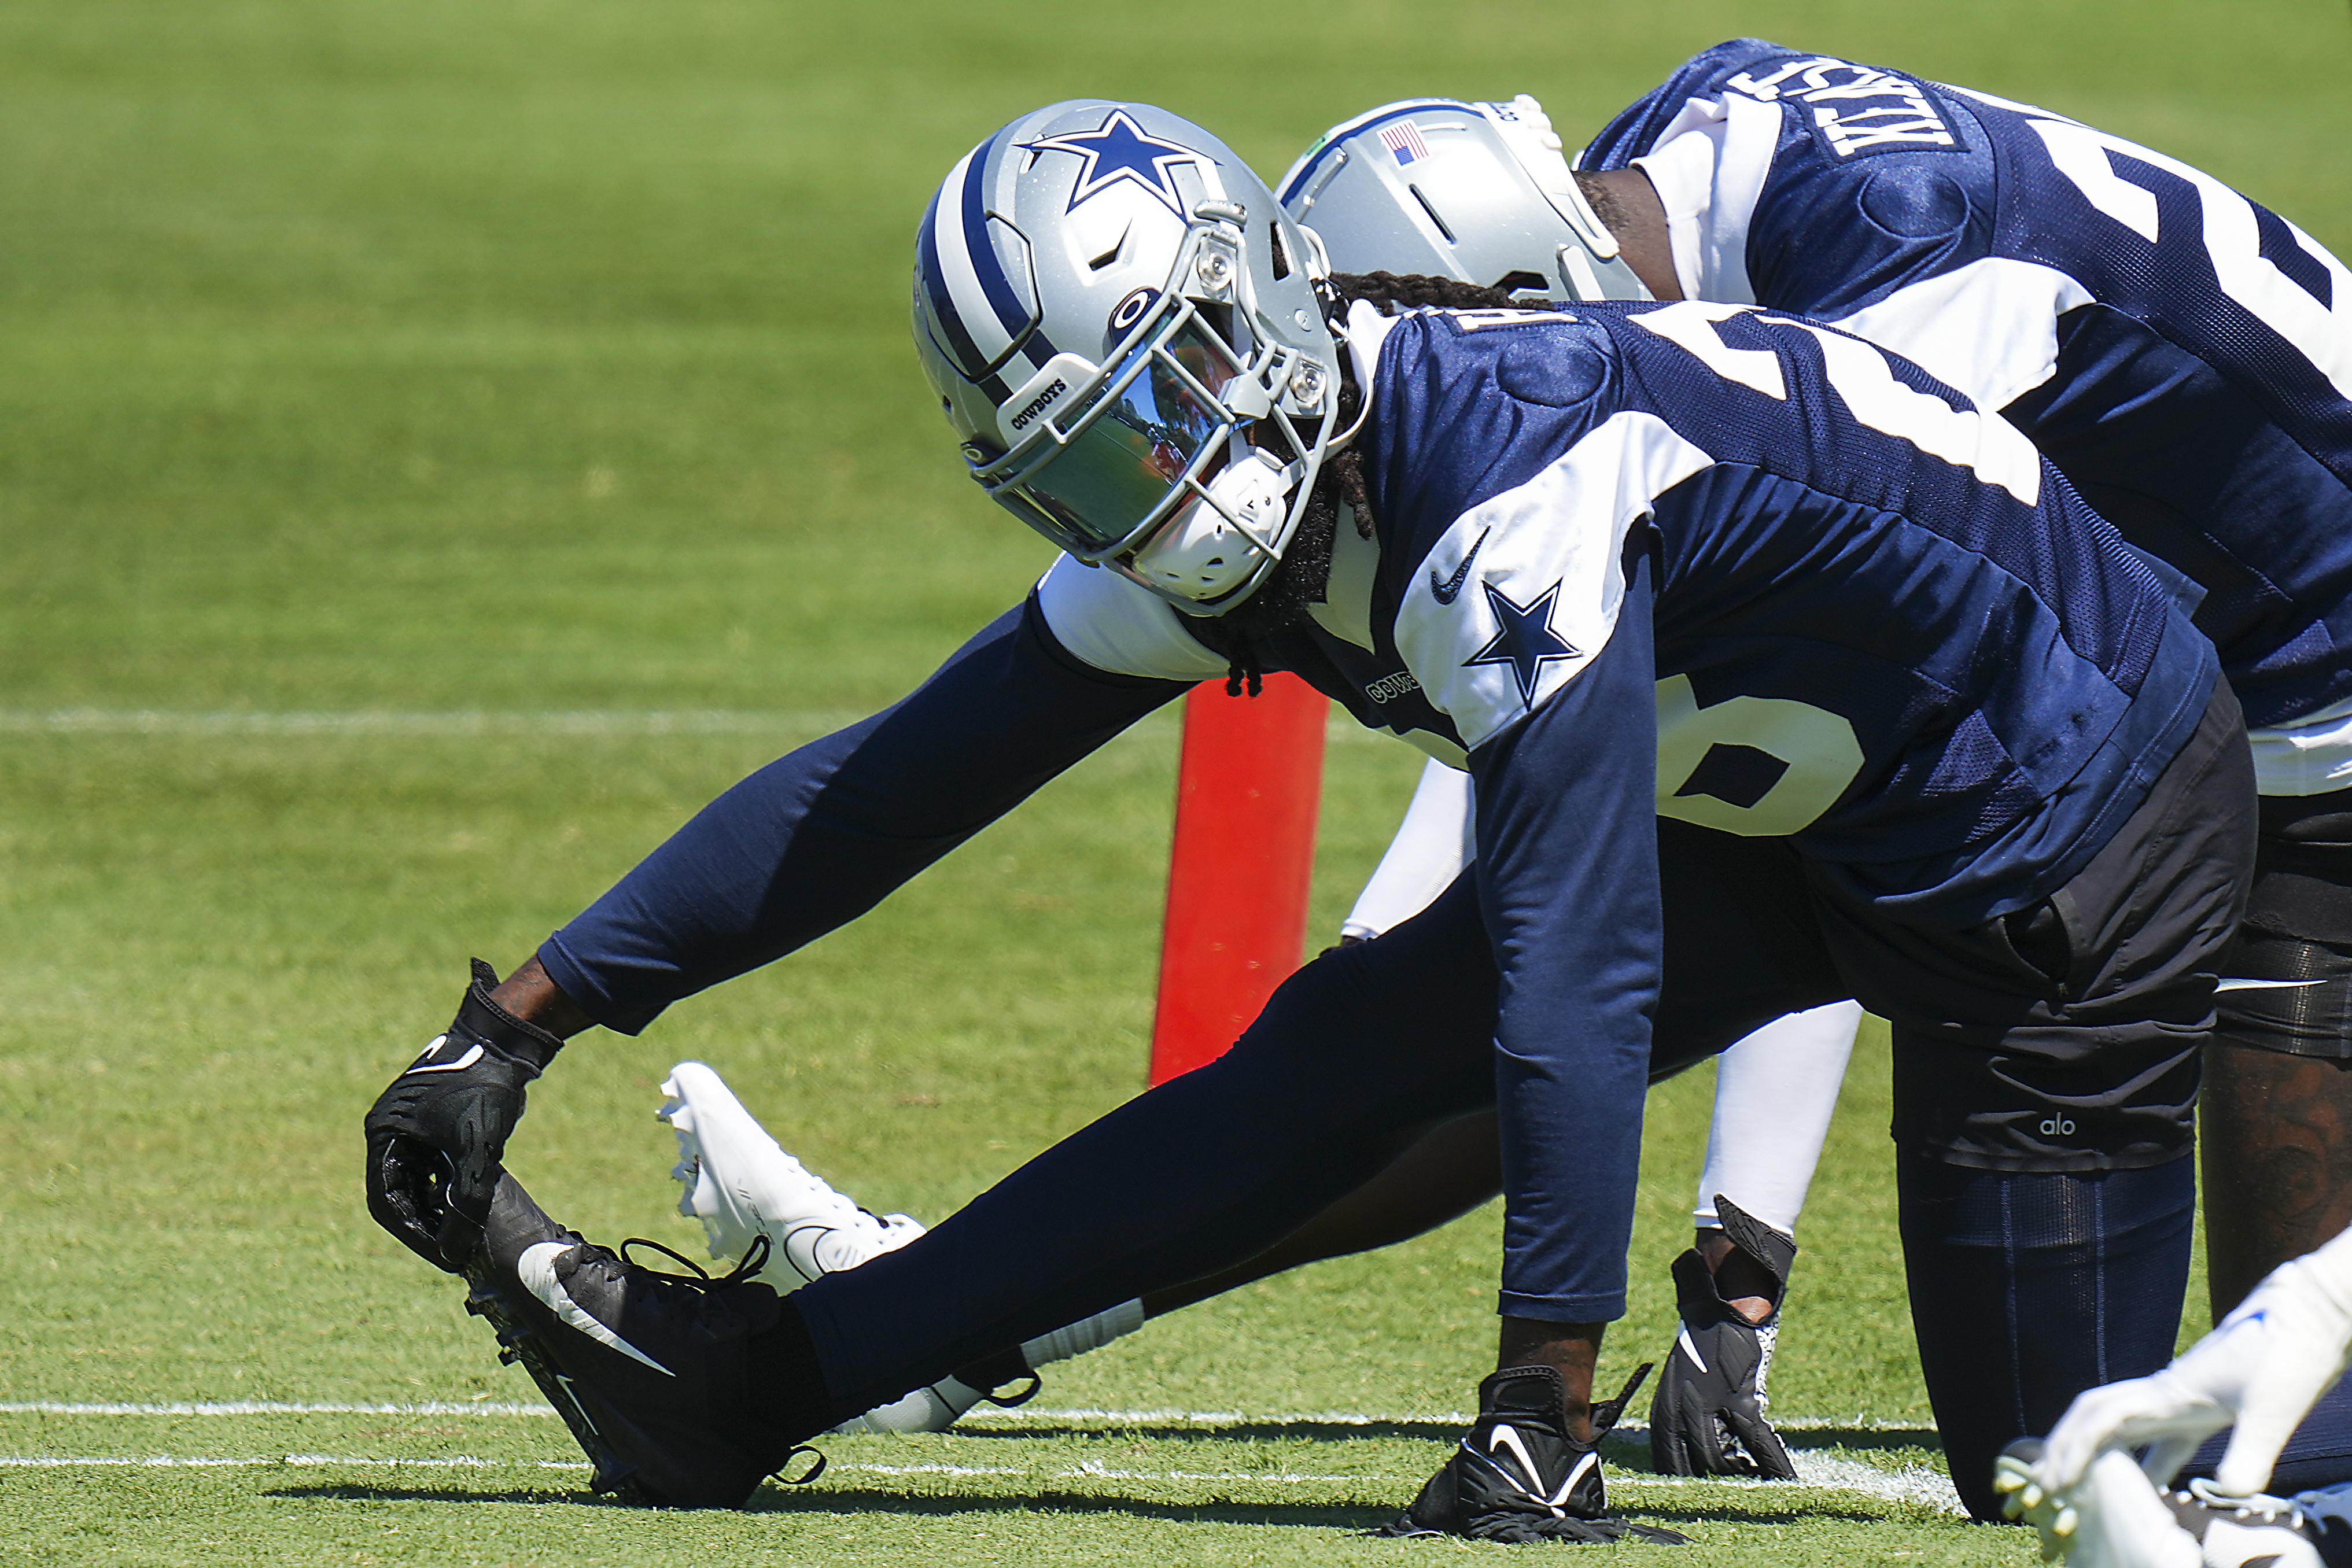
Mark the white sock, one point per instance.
(1774, 1093)
(944, 1403)
(1088, 1334)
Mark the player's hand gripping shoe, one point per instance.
(679, 1388)
(435, 1138)
(2115, 1517)
(1708, 1417)
(1518, 1476)
(742, 1185)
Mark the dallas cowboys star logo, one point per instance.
(1524, 638)
(1119, 150)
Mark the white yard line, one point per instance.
(1824, 1471)
(1818, 1472)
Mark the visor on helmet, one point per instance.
(1096, 478)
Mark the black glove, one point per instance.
(1517, 1474)
(435, 1138)
(1707, 1418)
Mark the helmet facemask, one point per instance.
(1184, 462)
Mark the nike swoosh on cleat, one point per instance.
(1582, 1465)
(536, 1268)
(2265, 985)
(1446, 589)
(473, 1054)
(1684, 1340)
(1507, 1438)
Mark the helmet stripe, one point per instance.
(963, 271)
(940, 291)
(1012, 315)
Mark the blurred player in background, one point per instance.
(1487, 529)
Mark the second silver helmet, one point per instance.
(1477, 192)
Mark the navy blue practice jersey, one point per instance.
(2182, 354)
(1618, 547)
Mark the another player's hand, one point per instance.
(436, 1138)
(1708, 1416)
(2261, 1370)
(1708, 1420)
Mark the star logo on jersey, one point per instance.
(1120, 150)
(1523, 639)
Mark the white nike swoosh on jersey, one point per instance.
(536, 1268)
(473, 1054)
(2266, 985)
(1684, 1340)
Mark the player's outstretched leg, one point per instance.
(742, 1184)
(655, 1373)
(1518, 1475)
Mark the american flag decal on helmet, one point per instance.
(1403, 138)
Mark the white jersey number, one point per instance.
(1816, 750)
(1985, 445)
(2321, 333)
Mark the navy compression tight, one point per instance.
(2027, 1287)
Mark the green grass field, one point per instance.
(444, 444)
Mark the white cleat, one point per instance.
(2118, 1518)
(741, 1183)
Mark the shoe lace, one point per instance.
(806, 1476)
(754, 1259)
(1024, 1393)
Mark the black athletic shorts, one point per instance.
(2286, 982)
(2064, 1037)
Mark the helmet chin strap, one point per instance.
(1201, 553)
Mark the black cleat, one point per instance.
(652, 1371)
(1708, 1415)
(1517, 1475)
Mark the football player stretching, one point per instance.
(2022, 832)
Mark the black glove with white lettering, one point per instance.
(437, 1137)
(1708, 1417)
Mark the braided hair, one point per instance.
(1302, 575)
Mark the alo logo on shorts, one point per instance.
(1852, 109)
(2057, 1126)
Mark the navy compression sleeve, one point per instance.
(817, 838)
(1567, 855)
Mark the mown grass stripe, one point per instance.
(390, 722)
(1024, 1415)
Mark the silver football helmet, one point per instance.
(1477, 192)
(1124, 328)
